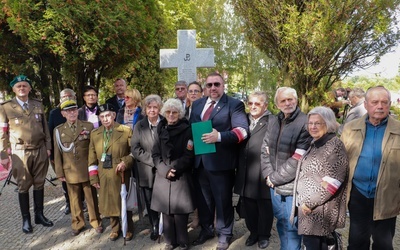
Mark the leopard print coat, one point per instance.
(325, 157)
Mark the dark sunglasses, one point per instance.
(210, 84)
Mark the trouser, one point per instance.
(30, 168)
(153, 215)
(282, 207)
(362, 225)
(259, 217)
(116, 224)
(312, 242)
(214, 194)
(75, 193)
(175, 229)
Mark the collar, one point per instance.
(324, 139)
(21, 102)
(382, 123)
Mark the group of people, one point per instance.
(292, 166)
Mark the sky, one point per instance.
(387, 68)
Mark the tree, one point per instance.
(316, 43)
(60, 43)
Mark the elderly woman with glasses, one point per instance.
(320, 184)
(173, 158)
(132, 112)
(142, 144)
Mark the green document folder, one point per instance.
(198, 129)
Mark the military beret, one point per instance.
(106, 107)
(20, 78)
(68, 104)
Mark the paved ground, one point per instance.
(59, 237)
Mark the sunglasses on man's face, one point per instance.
(210, 84)
(180, 89)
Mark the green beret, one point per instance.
(68, 104)
(20, 78)
(106, 107)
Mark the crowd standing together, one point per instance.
(306, 170)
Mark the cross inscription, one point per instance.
(187, 58)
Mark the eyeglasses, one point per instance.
(210, 84)
(91, 95)
(180, 89)
(169, 112)
(257, 104)
(316, 124)
(127, 97)
(194, 91)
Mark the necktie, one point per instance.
(252, 125)
(25, 106)
(207, 114)
(73, 128)
(120, 102)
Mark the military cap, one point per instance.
(20, 78)
(106, 107)
(68, 104)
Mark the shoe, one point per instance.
(26, 216)
(251, 241)
(202, 239)
(113, 236)
(183, 247)
(263, 244)
(154, 233)
(38, 198)
(75, 232)
(222, 245)
(99, 229)
(169, 247)
(129, 236)
(67, 209)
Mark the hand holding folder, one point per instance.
(198, 129)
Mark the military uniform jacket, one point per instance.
(73, 163)
(23, 129)
(110, 183)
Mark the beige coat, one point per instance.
(73, 165)
(110, 183)
(387, 198)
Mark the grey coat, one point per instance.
(142, 145)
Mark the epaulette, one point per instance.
(5, 102)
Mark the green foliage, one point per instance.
(75, 43)
(316, 43)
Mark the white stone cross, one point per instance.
(187, 58)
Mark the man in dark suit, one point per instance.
(215, 172)
(118, 100)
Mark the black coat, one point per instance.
(249, 181)
(173, 150)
